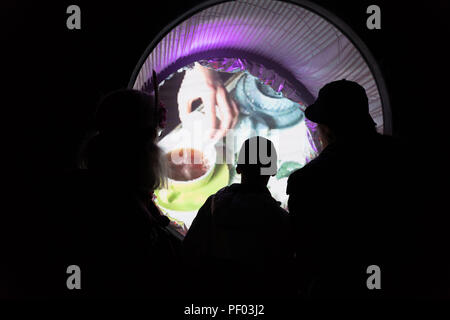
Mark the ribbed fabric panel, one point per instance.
(313, 50)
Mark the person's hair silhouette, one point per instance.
(125, 145)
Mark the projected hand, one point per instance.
(205, 84)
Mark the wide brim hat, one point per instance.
(341, 103)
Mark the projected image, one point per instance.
(210, 115)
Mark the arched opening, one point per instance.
(286, 50)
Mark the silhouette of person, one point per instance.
(348, 204)
(244, 231)
(120, 239)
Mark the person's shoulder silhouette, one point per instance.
(244, 227)
(348, 196)
(120, 234)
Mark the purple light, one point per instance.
(311, 49)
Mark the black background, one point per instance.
(54, 77)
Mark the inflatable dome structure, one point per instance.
(295, 46)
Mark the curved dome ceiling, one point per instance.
(300, 46)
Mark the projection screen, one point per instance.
(272, 57)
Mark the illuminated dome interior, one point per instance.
(296, 48)
(293, 49)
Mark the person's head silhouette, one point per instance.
(342, 109)
(124, 148)
(257, 161)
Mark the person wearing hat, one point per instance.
(342, 111)
(346, 202)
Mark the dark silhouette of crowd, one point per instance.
(349, 208)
